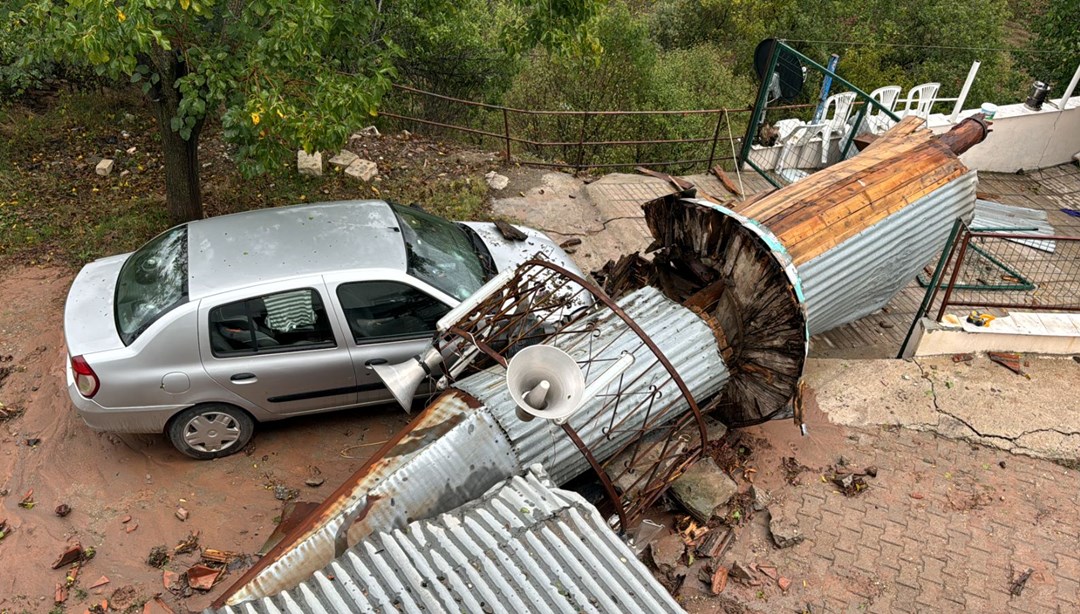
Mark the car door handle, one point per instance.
(244, 378)
(376, 361)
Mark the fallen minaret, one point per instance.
(717, 323)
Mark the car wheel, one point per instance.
(211, 431)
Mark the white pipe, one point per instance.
(964, 91)
(1069, 90)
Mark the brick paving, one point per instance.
(942, 528)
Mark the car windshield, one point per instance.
(439, 253)
(152, 282)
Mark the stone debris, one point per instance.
(105, 167)
(667, 552)
(496, 181)
(364, 170)
(741, 572)
(784, 527)
(783, 583)
(72, 554)
(760, 498)
(311, 165)
(703, 488)
(343, 159)
(182, 514)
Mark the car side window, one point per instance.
(384, 310)
(279, 322)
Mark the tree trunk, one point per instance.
(183, 197)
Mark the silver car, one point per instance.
(218, 324)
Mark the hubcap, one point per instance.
(211, 432)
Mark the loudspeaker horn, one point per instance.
(403, 378)
(546, 382)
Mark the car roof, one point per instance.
(239, 250)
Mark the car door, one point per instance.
(388, 320)
(278, 347)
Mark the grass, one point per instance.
(55, 209)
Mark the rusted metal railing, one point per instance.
(576, 151)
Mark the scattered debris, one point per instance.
(784, 527)
(131, 527)
(343, 159)
(571, 242)
(726, 181)
(218, 556)
(760, 498)
(792, 469)
(4, 528)
(169, 579)
(311, 165)
(159, 555)
(741, 572)
(968, 358)
(125, 519)
(284, 493)
(666, 552)
(105, 167)
(315, 482)
(496, 181)
(850, 484)
(716, 542)
(33, 441)
(188, 544)
(102, 581)
(769, 571)
(702, 488)
(510, 232)
(27, 502)
(719, 580)
(61, 594)
(201, 577)
(181, 514)
(1009, 360)
(364, 170)
(156, 606)
(123, 597)
(62, 510)
(1017, 585)
(74, 553)
(916, 495)
(783, 583)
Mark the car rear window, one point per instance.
(152, 282)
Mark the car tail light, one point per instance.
(85, 379)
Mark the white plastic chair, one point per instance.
(786, 126)
(795, 144)
(920, 99)
(876, 121)
(841, 109)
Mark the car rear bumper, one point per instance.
(120, 420)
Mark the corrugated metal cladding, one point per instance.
(681, 335)
(451, 457)
(1014, 220)
(863, 273)
(523, 546)
(457, 452)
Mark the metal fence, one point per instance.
(682, 140)
(983, 269)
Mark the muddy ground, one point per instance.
(106, 478)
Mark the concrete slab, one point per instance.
(978, 401)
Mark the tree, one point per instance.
(1056, 44)
(281, 74)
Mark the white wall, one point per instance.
(1021, 138)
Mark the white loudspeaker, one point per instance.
(546, 382)
(403, 378)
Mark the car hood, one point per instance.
(89, 325)
(509, 254)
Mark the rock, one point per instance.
(315, 482)
(714, 429)
(105, 167)
(311, 165)
(181, 514)
(784, 527)
(364, 170)
(703, 488)
(496, 181)
(62, 510)
(667, 552)
(741, 572)
(571, 242)
(284, 493)
(783, 583)
(343, 159)
(760, 498)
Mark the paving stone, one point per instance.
(703, 488)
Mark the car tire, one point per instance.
(210, 431)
